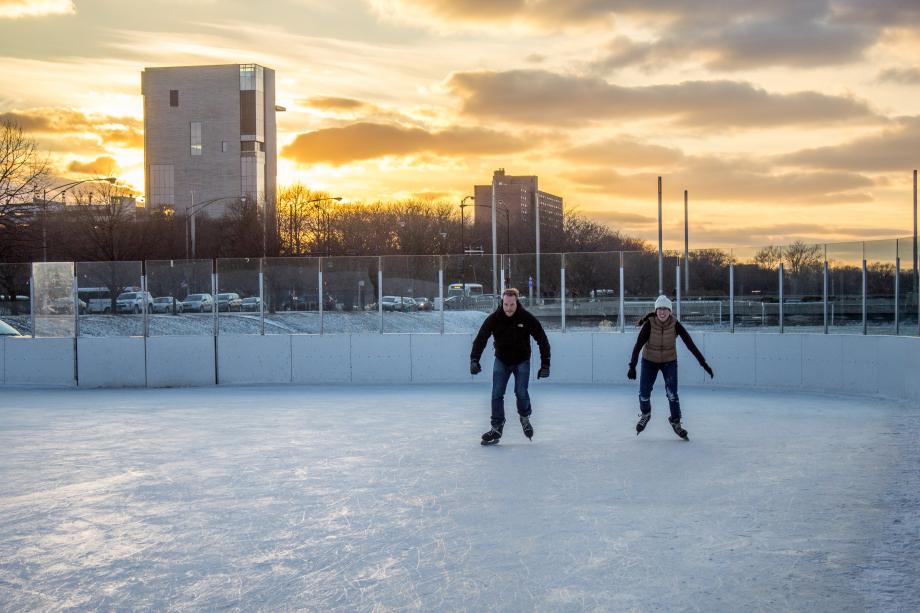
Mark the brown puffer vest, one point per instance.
(662, 342)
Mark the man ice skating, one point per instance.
(659, 332)
(511, 326)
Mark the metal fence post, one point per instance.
(825, 295)
(677, 284)
(76, 306)
(261, 296)
(380, 290)
(865, 301)
(441, 288)
(897, 293)
(562, 283)
(146, 306)
(781, 271)
(214, 308)
(319, 297)
(622, 305)
(731, 297)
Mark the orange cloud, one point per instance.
(15, 9)
(123, 131)
(364, 141)
(103, 166)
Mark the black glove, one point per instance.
(631, 373)
(708, 369)
(475, 368)
(543, 373)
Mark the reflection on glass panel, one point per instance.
(291, 295)
(908, 298)
(756, 301)
(592, 287)
(468, 292)
(705, 289)
(880, 273)
(844, 287)
(410, 287)
(111, 300)
(54, 299)
(183, 300)
(15, 304)
(350, 295)
(640, 284)
(541, 290)
(803, 287)
(237, 297)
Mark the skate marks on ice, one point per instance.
(380, 498)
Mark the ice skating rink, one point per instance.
(381, 498)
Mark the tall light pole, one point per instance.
(686, 247)
(325, 214)
(462, 205)
(198, 206)
(660, 254)
(916, 278)
(495, 183)
(61, 190)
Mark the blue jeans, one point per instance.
(500, 375)
(647, 382)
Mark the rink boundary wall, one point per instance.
(869, 365)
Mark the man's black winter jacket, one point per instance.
(512, 336)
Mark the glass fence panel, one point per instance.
(803, 287)
(350, 295)
(291, 295)
(756, 302)
(540, 289)
(881, 258)
(112, 302)
(468, 292)
(640, 284)
(410, 286)
(704, 294)
(238, 287)
(15, 301)
(592, 289)
(908, 298)
(844, 287)
(183, 297)
(54, 308)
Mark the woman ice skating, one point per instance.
(658, 333)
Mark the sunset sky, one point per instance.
(785, 119)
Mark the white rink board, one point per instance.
(383, 358)
(180, 361)
(320, 359)
(39, 361)
(114, 361)
(251, 358)
(440, 358)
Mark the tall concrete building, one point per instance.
(520, 197)
(209, 134)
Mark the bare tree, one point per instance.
(769, 257)
(23, 172)
(103, 224)
(800, 257)
(297, 218)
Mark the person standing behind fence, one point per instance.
(511, 326)
(658, 333)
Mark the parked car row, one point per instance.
(406, 304)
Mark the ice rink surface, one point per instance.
(381, 499)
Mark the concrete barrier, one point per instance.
(320, 359)
(39, 361)
(180, 361)
(253, 358)
(113, 361)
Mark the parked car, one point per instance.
(229, 302)
(391, 303)
(8, 330)
(133, 302)
(424, 304)
(253, 303)
(198, 303)
(166, 304)
(65, 306)
(409, 304)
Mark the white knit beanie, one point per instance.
(663, 303)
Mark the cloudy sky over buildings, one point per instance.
(785, 119)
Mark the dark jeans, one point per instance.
(647, 382)
(501, 372)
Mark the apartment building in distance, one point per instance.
(209, 136)
(520, 196)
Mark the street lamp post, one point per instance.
(60, 190)
(325, 214)
(190, 218)
(462, 205)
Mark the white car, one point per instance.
(133, 302)
(166, 304)
(198, 303)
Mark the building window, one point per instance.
(162, 186)
(174, 97)
(196, 137)
(223, 146)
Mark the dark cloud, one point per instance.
(902, 76)
(542, 97)
(364, 141)
(103, 166)
(896, 149)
